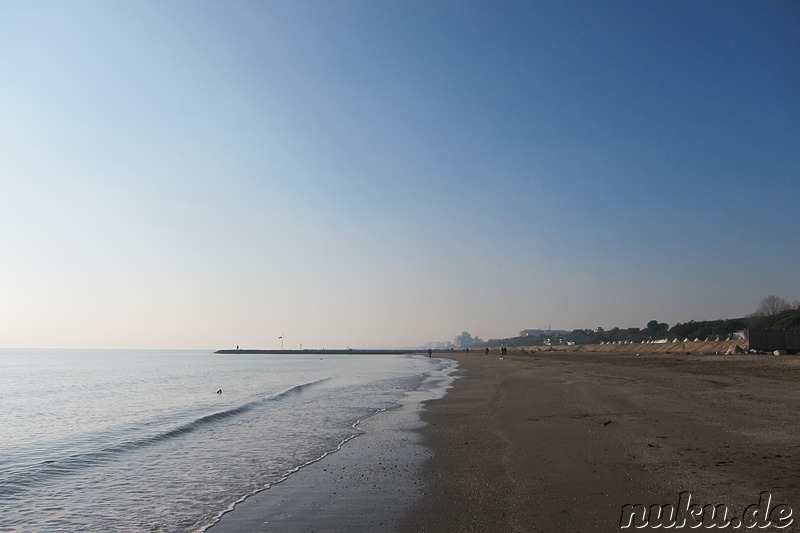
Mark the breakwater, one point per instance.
(320, 352)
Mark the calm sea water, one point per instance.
(141, 441)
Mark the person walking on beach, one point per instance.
(430, 353)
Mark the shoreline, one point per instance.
(370, 483)
(337, 492)
(555, 441)
(558, 441)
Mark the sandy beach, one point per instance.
(562, 441)
(558, 441)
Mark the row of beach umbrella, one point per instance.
(718, 338)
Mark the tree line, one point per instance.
(773, 313)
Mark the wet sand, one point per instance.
(370, 484)
(556, 442)
(562, 441)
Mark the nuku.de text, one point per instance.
(692, 515)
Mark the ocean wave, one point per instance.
(15, 480)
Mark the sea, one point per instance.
(168, 441)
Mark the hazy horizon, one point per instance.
(375, 174)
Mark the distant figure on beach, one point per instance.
(430, 353)
(487, 351)
(219, 391)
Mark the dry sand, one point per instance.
(667, 348)
(559, 441)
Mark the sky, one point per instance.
(198, 174)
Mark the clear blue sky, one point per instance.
(196, 174)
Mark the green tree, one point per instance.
(656, 329)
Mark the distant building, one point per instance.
(537, 332)
(465, 340)
(438, 345)
(532, 332)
